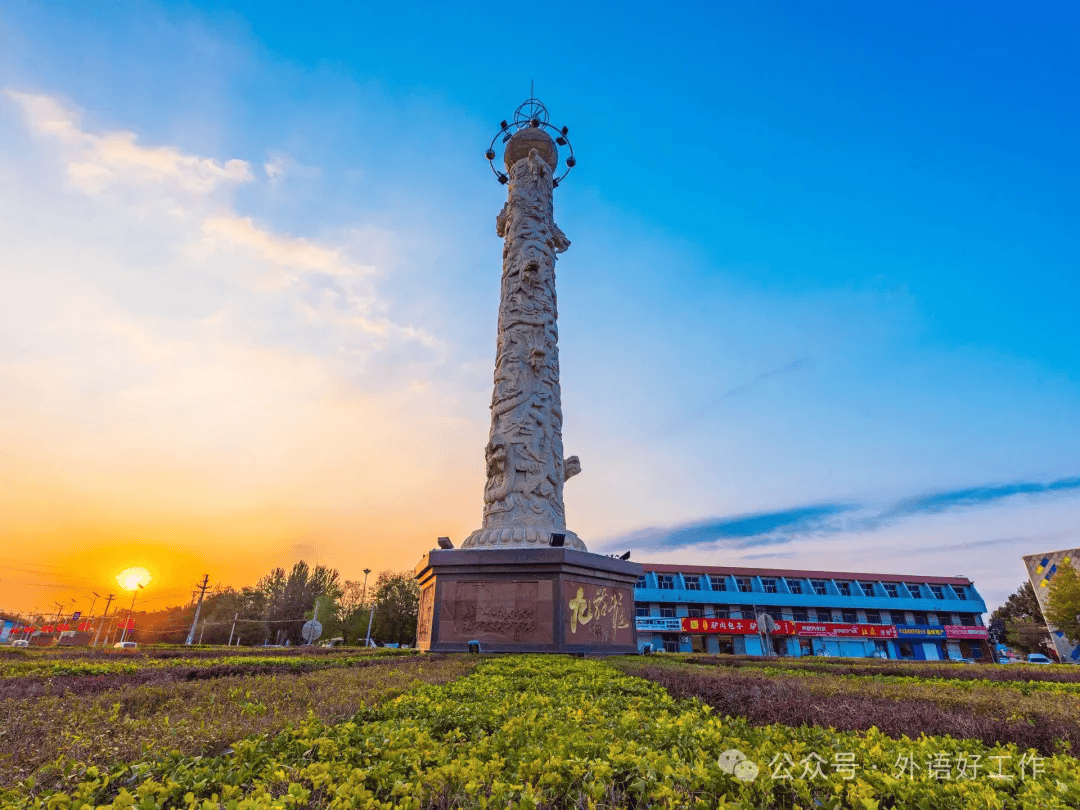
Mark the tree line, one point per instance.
(274, 610)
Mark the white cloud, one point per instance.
(296, 253)
(96, 162)
(147, 319)
(281, 166)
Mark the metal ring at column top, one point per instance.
(530, 113)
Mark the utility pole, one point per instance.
(233, 628)
(93, 602)
(131, 614)
(110, 597)
(202, 592)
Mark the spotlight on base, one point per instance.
(474, 647)
(625, 556)
(444, 542)
(557, 540)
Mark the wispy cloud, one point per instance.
(975, 496)
(788, 526)
(97, 161)
(740, 531)
(738, 390)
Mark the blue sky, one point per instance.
(819, 308)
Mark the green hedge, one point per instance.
(532, 732)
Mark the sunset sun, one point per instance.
(131, 578)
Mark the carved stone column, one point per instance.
(523, 499)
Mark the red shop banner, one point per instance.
(963, 631)
(735, 626)
(805, 629)
(840, 630)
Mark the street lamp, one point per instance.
(363, 601)
(131, 612)
(93, 602)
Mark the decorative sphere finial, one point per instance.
(530, 129)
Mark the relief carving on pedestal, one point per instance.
(426, 614)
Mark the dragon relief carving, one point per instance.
(525, 465)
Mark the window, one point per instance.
(914, 588)
(938, 591)
(696, 613)
(776, 613)
(811, 615)
(666, 581)
(906, 649)
(867, 588)
(794, 586)
(641, 611)
(837, 615)
(920, 617)
(819, 586)
(693, 582)
(844, 588)
(849, 617)
(641, 582)
(744, 584)
(667, 613)
(718, 583)
(720, 611)
(890, 589)
(873, 617)
(768, 584)
(671, 642)
(959, 591)
(799, 615)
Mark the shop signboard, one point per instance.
(657, 624)
(877, 630)
(964, 631)
(930, 631)
(707, 625)
(826, 629)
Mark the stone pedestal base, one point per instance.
(555, 600)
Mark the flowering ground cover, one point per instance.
(122, 717)
(49, 664)
(556, 732)
(1045, 718)
(1027, 674)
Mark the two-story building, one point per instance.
(688, 608)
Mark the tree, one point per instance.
(290, 599)
(396, 605)
(348, 614)
(1025, 628)
(1021, 606)
(1063, 601)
